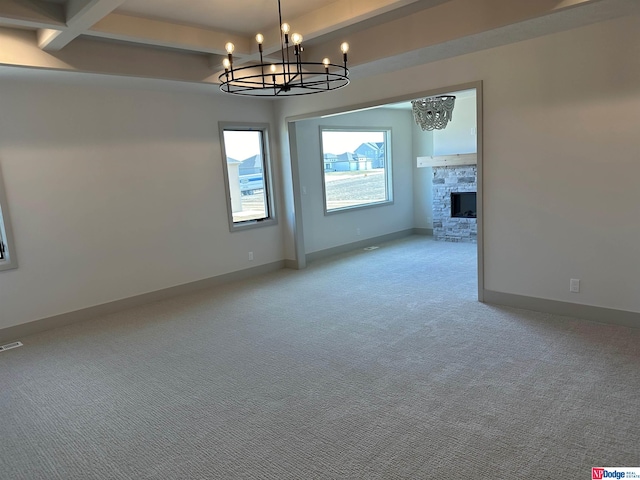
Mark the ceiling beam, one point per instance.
(161, 33)
(31, 14)
(80, 15)
(19, 49)
(456, 19)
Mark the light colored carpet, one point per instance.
(369, 365)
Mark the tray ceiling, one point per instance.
(184, 40)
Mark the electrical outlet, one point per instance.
(574, 285)
(250, 256)
(358, 231)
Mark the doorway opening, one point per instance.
(423, 170)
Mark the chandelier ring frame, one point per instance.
(312, 78)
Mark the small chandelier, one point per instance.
(286, 76)
(433, 113)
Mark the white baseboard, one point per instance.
(587, 312)
(329, 252)
(292, 264)
(18, 331)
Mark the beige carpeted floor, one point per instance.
(369, 365)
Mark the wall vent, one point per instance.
(9, 346)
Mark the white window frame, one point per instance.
(271, 218)
(388, 168)
(9, 259)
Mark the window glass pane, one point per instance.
(356, 168)
(245, 168)
(7, 248)
(2, 236)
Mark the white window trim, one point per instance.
(6, 236)
(268, 179)
(388, 168)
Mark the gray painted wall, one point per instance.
(422, 178)
(116, 191)
(458, 136)
(560, 157)
(322, 231)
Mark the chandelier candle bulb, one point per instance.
(226, 64)
(285, 29)
(296, 38)
(230, 47)
(326, 63)
(344, 48)
(260, 40)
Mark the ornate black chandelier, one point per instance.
(433, 113)
(287, 75)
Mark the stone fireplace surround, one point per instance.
(447, 179)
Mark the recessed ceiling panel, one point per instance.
(241, 16)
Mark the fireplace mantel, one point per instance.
(448, 160)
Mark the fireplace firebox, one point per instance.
(463, 204)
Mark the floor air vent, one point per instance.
(9, 346)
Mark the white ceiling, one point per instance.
(183, 40)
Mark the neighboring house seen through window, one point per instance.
(245, 158)
(357, 168)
